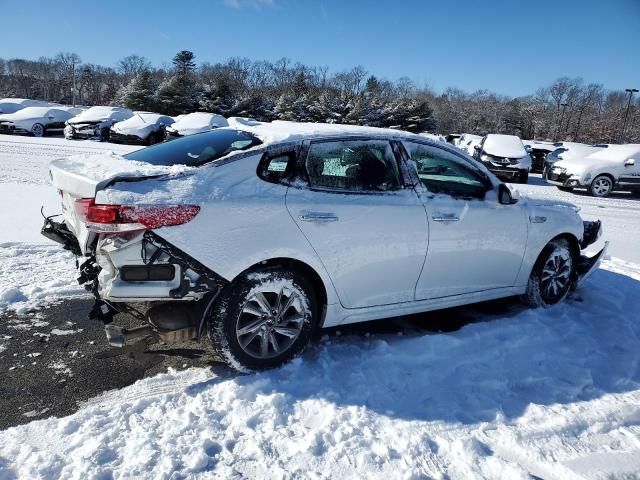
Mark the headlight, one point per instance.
(484, 157)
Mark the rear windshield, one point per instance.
(196, 149)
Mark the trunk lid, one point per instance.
(83, 176)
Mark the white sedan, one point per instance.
(143, 128)
(95, 122)
(255, 236)
(37, 121)
(12, 105)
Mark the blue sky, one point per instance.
(510, 47)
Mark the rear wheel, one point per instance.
(37, 130)
(263, 319)
(601, 186)
(552, 276)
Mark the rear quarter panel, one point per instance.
(243, 220)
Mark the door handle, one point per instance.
(445, 217)
(307, 216)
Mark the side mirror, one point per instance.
(630, 163)
(506, 196)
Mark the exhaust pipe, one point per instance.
(121, 337)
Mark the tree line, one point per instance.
(569, 109)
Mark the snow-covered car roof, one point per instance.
(28, 112)
(199, 120)
(504, 145)
(25, 101)
(615, 153)
(285, 131)
(142, 119)
(99, 113)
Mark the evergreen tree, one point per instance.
(184, 62)
(138, 94)
(179, 94)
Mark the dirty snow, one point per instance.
(551, 394)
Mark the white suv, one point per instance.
(255, 236)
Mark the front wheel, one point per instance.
(37, 130)
(552, 275)
(523, 177)
(601, 186)
(263, 319)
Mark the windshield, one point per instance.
(196, 149)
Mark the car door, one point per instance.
(630, 175)
(363, 219)
(475, 243)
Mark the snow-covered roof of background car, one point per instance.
(284, 131)
(617, 152)
(28, 112)
(200, 119)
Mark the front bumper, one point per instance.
(588, 265)
(116, 137)
(505, 173)
(10, 128)
(562, 179)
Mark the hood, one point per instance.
(94, 114)
(549, 203)
(506, 146)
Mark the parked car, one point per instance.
(616, 167)
(143, 128)
(196, 123)
(12, 105)
(568, 151)
(37, 121)
(95, 122)
(538, 152)
(505, 156)
(256, 237)
(468, 142)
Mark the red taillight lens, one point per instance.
(120, 218)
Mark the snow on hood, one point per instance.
(508, 146)
(26, 114)
(549, 202)
(199, 121)
(95, 114)
(139, 122)
(98, 168)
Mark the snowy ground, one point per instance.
(520, 394)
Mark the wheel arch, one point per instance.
(305, 269)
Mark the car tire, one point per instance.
(553, 275)
(566, 189)
(38, 130)
(601, 186)
(263, 319)
(104, 134)
(523, 177)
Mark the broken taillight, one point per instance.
(126, 218)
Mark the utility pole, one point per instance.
(73, 73)
(630, 91)
(564, 107)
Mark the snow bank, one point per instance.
(549, 393)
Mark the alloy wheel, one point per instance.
(556, 274)
(37, 130)
(270, 321)
(601, 186)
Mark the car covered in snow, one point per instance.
(505, 156)
(568, 151)
(95, 122)
(468, 142)
(197, 122)
(37, 121)
(538, 152)
(616, 167)
(12, 105)
(142, 128)
(256, 235)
